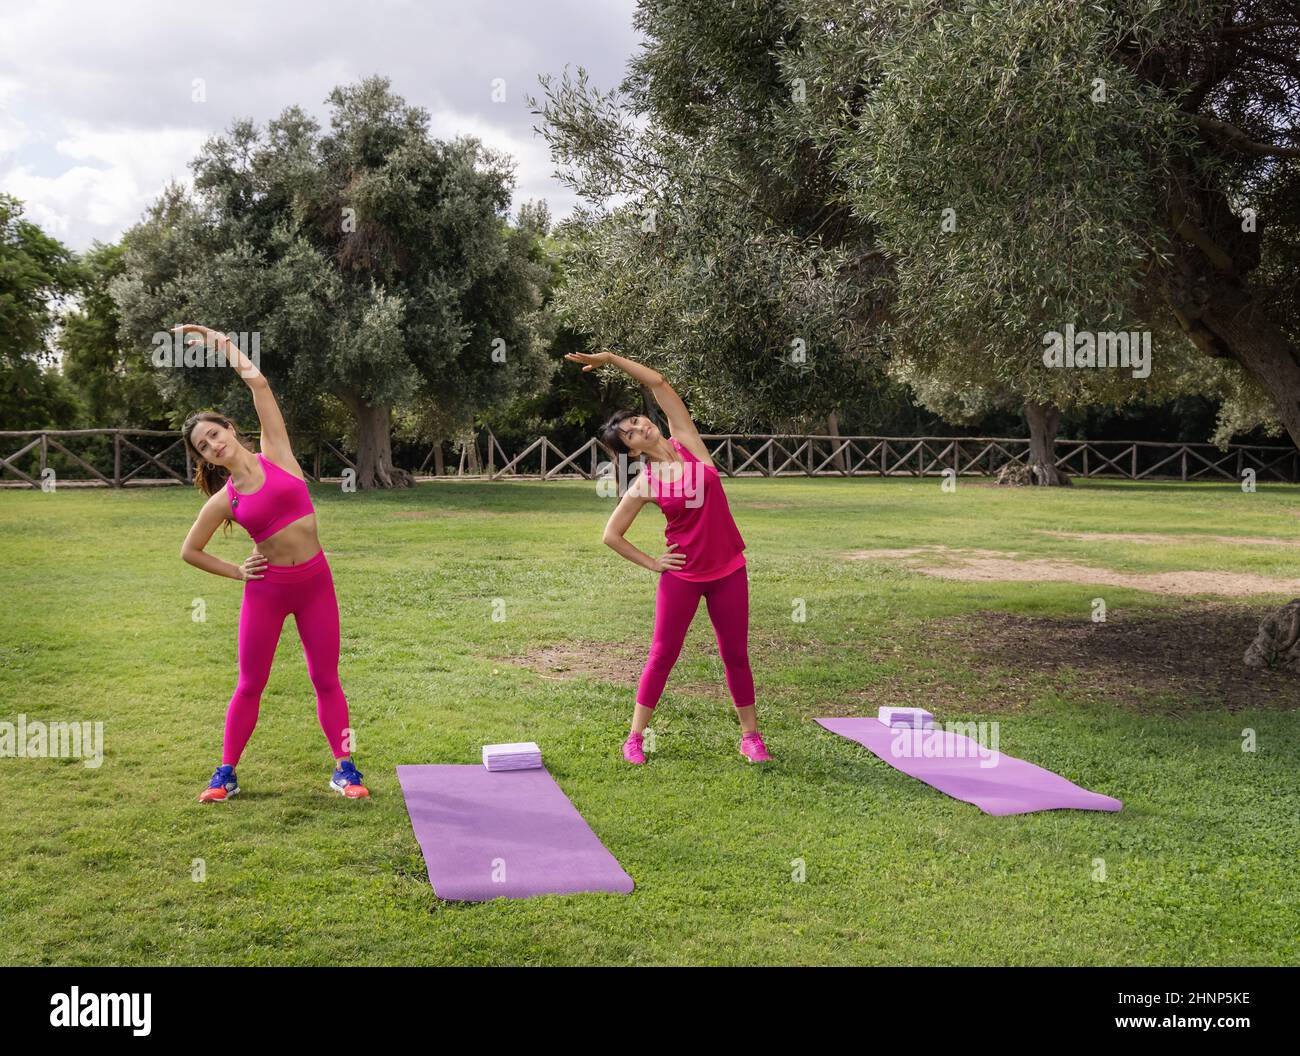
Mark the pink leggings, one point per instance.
(307, 591)
(675, 604)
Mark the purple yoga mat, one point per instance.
(509, 834)
(994, 781)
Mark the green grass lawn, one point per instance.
(96, 625)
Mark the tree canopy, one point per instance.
(933, 187)
(37, 273)
(375, 263)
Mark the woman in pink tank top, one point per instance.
(704, 555)
(286, 574)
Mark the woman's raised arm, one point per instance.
(679, 419)
(275, 435)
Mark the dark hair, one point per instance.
(208, 478)
(609, 434)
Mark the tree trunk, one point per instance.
(1210, 296)
(438, 465)
(1235, 324)
(375, 467)
(833, 428)
(1044, 420)
(469, 455)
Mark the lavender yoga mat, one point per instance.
(509, 834)
(963, 770)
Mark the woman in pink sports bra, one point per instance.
(286, 573)
(704, 557)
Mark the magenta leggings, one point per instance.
(307, 591)
(675, 604)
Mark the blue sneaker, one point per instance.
(222, 786)
(347, 781)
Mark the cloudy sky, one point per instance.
(97, 108)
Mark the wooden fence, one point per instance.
(142, 457)
(160, 452)
(793, 455)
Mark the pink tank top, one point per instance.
(699, 519)
(279, 502)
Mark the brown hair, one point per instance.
(208, 478)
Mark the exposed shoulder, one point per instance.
(286, 462)
(218, 502)
(696, 446)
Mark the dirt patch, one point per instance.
(925, 551)
(1151, 538)
(1230, 584)
(614, 662)
(1191, 659)
(620, 663)
(1155, 539)
(986, 566)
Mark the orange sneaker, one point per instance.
(347, 781)
(222, 786)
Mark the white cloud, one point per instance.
(533, 163)
(116, 174)
(96, 112)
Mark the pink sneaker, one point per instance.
(753, 748)
(632, 748)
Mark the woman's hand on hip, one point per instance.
(670, 561)
(253, 566)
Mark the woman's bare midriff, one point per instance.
(293, 544)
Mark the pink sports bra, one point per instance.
(281, 500)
